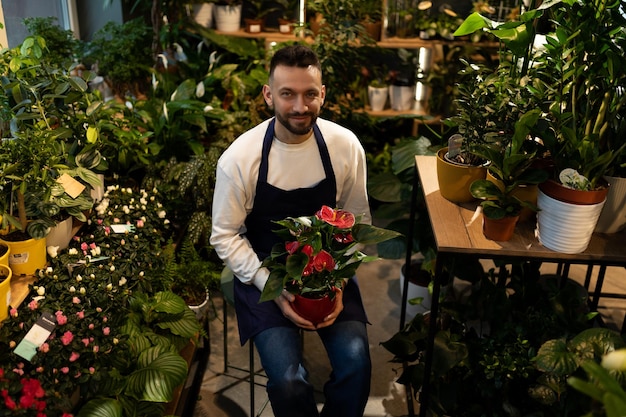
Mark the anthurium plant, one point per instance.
(319, 252)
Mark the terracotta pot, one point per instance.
(555, 190)
(254, 25)
(499, 230)
(373, 29)
(527, 192)
(313, 309)
(286, 25)
(455, 179)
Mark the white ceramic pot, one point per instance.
(228, 18)
(417, 289)
(61, 234)
(613, 216)
(203, 14)
(201, 310)
(401, 97)
(565, 227)
(377, 97)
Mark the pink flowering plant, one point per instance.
(318, 252)
(117, 327)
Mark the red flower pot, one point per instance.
(499, 230)
(313, 309)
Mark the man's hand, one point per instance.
(284, 303)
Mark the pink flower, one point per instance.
(45, 348)
(61, 319)
(93, 245)
(65, 370)
(67, 338)
(92, 370)
(80, 315)
(96, 349)
(106, 331)
(33, 305)
(76, 300)
(91, 326)
(84, 246)
(74, 356)
(13, 312)
(85, 342)
(140, 223)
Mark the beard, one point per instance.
(300, 128)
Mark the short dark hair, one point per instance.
(295, 56)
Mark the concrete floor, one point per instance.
(228, 395)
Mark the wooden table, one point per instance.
(456, 232)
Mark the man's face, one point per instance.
(297, 95)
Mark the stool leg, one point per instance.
(225, 311)
(252, 372)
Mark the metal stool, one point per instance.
(228, 289)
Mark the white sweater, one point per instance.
(289, 167)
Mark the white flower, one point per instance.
(49, 270)
(82, 290)
(305, 221)
(112, 268)
(72, 289)
(122, 281)
(109, 287)
(208, 108)
(615, 360)
(200, 89)
(79, 278)
(161, 214)
(72, 251)
(53, 251)
(141, 274)
(41, 290)
(126, 209)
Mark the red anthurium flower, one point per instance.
(338, 218)
(344, 238)
(307, 250)
(292, 247)
(323, 261)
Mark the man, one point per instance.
(291, 165)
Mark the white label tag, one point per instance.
(36, 336)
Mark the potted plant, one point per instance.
(202, 12)
(488, 335)
(193, 277)
(319, 252)
(370, 17)
(287, 19)
(228, 15)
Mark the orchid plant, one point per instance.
(319, 252)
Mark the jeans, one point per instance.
(288, 389)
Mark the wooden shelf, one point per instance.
(414, 43)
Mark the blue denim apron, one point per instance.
(270, 204)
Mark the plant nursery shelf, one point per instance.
(458, 231)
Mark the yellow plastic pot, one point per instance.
(27, 256)
(455, 179)
(4, 259)
(5, 291)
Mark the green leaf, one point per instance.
(101, 407)
(368, 234)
